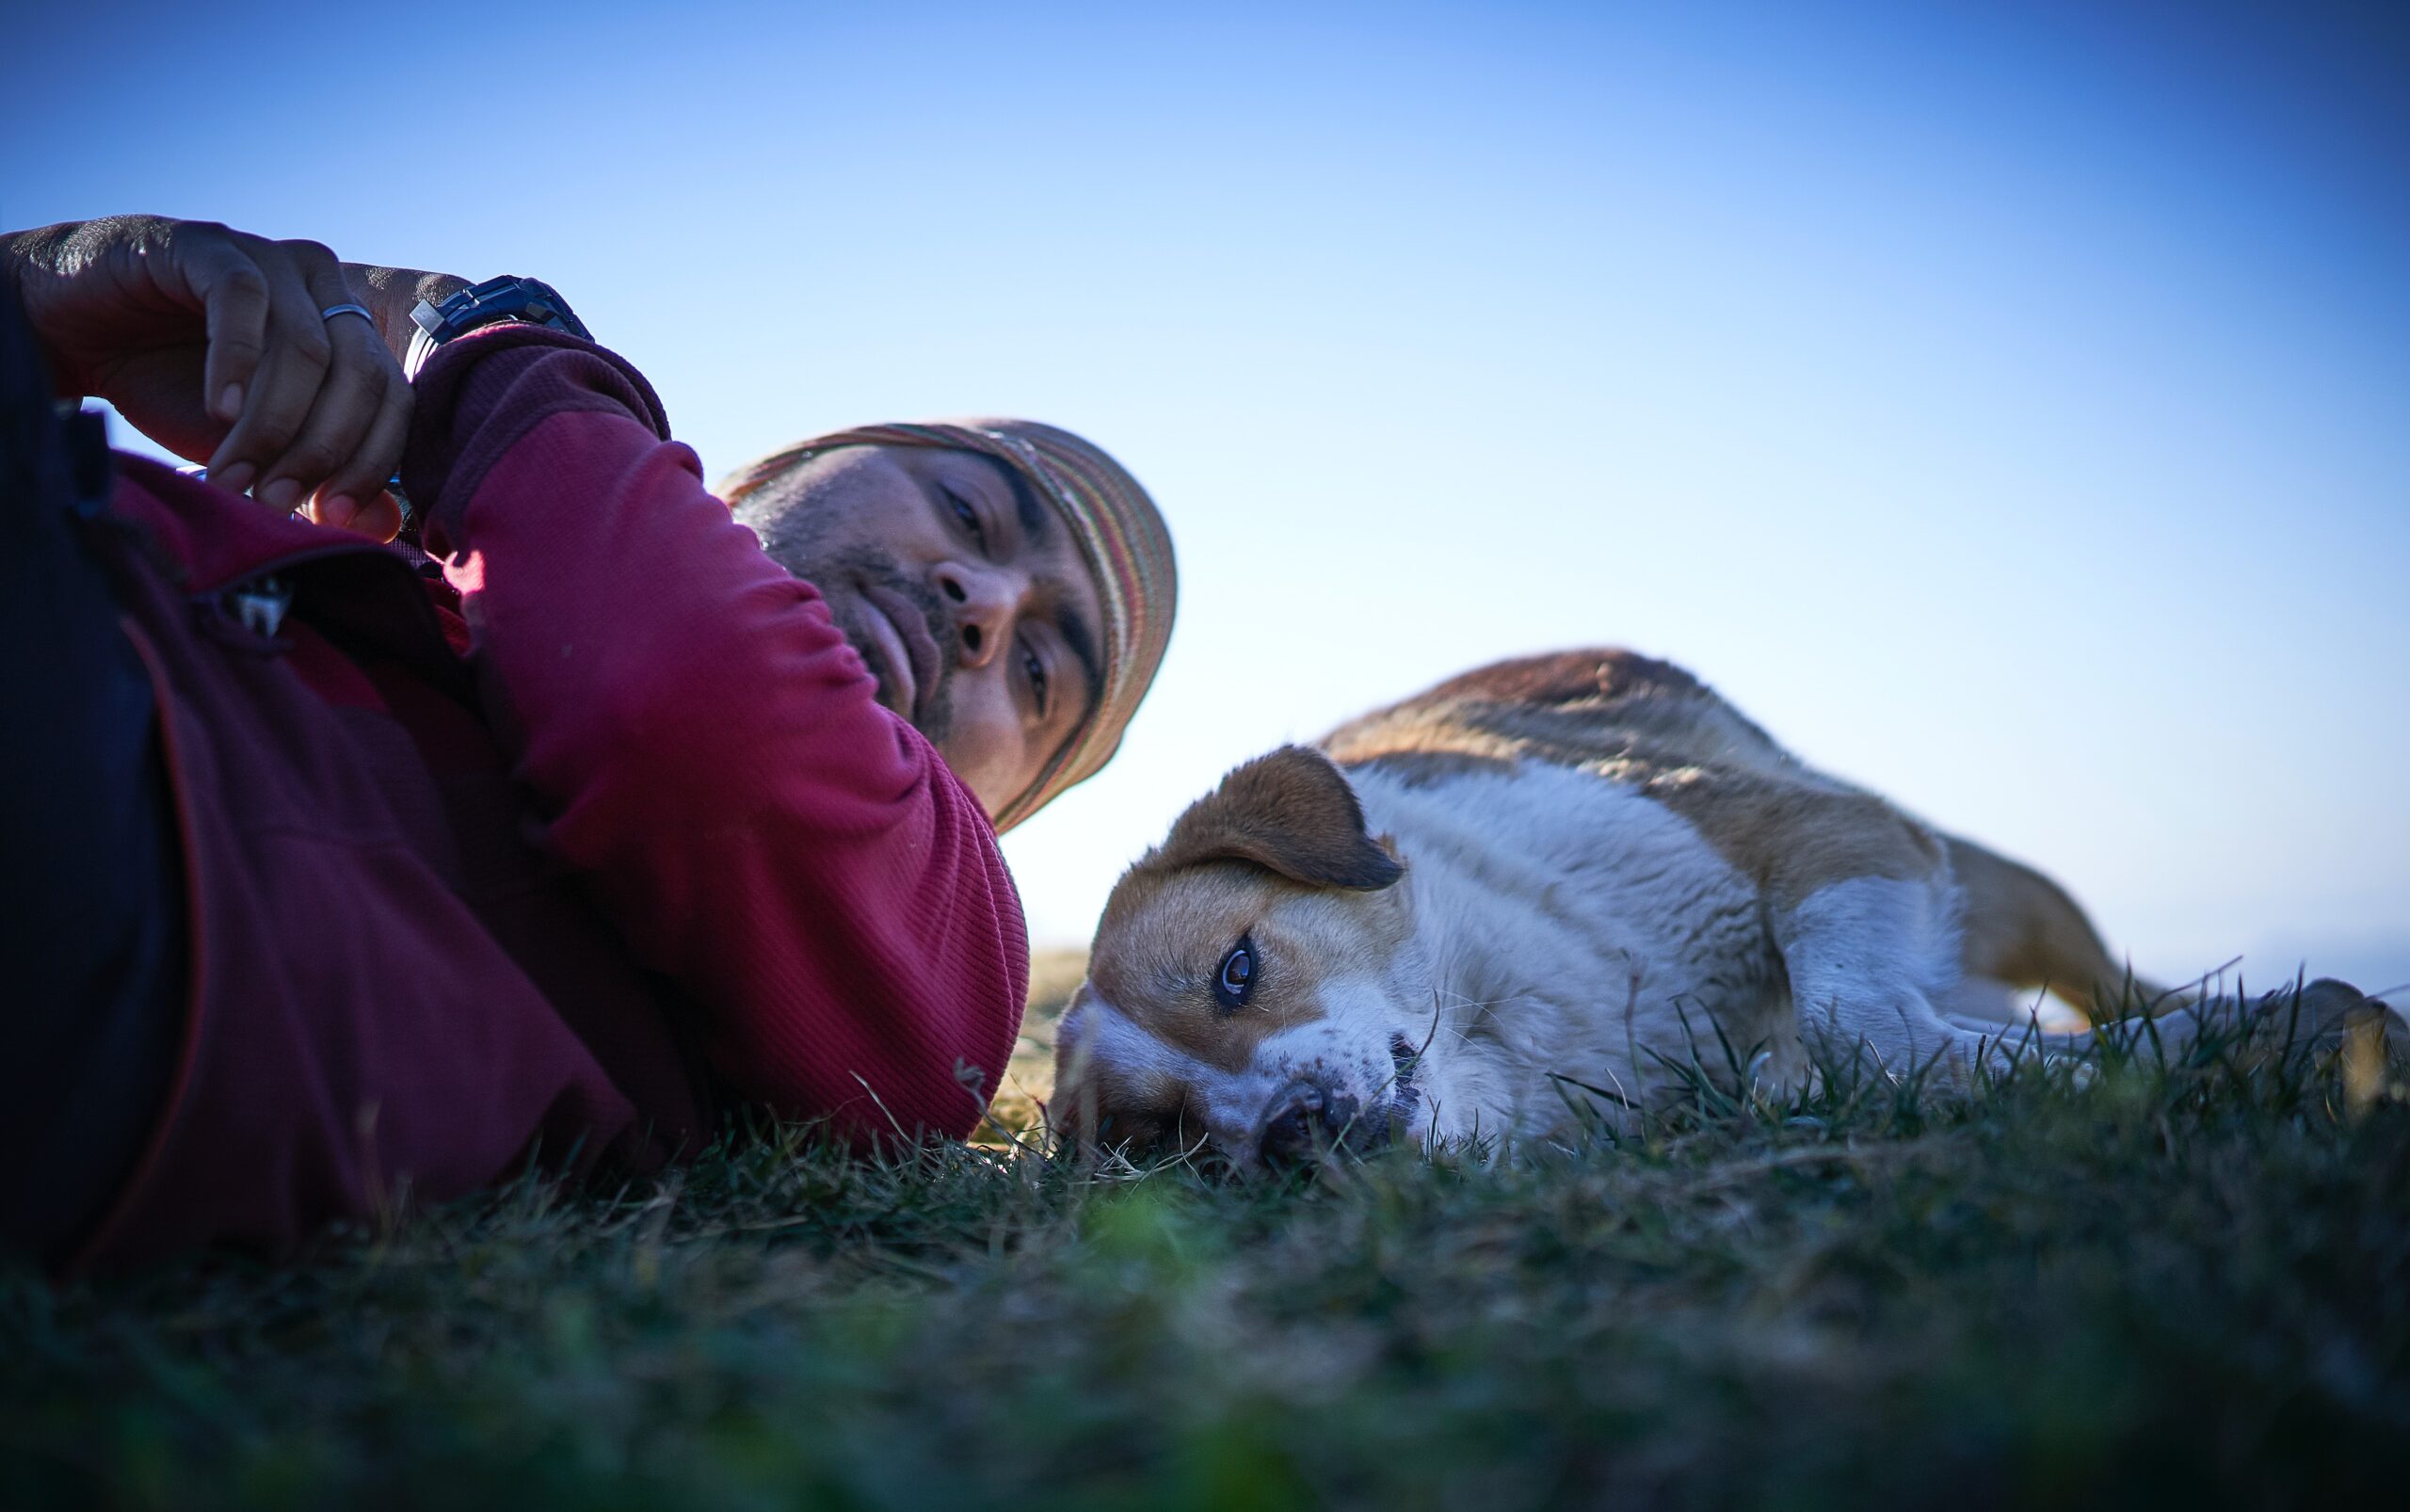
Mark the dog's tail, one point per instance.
(2022, 929)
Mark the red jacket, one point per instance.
(632, 840)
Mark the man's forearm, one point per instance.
(22, 250)
(391, 293)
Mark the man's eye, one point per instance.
(969, 518)
(1036, 671)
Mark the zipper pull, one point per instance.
(259, 604)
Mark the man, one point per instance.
(336, 876)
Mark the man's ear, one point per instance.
(1290, 812)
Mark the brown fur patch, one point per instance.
(1653, 726)
(1430, 768)
(1793, 838)
(1604, 672)
(1290, 812)
(1575, 709)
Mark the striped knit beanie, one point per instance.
(1121, 534)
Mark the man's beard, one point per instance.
(846, 572)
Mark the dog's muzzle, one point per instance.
(1309, 1118)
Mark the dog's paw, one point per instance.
(2330, 1017)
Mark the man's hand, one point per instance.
(210, 342)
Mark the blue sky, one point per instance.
(2007, 406)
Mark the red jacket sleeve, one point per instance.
(707, 748)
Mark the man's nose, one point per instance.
(982, 603)
(1307, 1117)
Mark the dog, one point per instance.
(1501, 907)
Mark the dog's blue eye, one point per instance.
(1235, 982)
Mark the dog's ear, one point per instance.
(1290, 812)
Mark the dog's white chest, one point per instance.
(1562, 916)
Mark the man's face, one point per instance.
(961, 589)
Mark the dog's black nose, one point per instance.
(1305, 1119)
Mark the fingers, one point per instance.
(234, 296)
(318, 410)
(353, 496)
(351, 436)
(378, 517)
(285, 385)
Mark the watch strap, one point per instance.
(525, 300)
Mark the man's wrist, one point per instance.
(391, 293)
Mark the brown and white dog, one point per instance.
(1476, 911)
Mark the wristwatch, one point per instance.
(528, 301)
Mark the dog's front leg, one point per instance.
(1870, 959)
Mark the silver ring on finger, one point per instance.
(333, 310)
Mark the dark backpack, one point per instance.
(53, 455)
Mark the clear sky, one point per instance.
(2008, 406)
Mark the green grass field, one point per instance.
(2183, 1285)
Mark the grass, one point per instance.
(2178, 1284)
